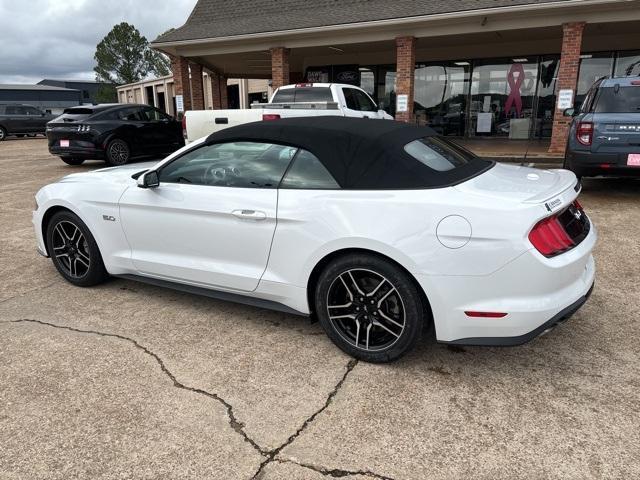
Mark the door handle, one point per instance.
(249, 214)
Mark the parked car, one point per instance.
(604, 138)
(115, 133)
(378, 229)
(299, 100)
(21, 120)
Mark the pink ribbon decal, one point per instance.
(514, 84)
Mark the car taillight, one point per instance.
(184, 126)
(270, 116)
(584, 133)
(549, 236)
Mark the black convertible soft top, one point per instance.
(359, 153)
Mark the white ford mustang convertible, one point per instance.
(376, 228)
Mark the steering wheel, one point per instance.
(216, 175)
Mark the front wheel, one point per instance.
(72, 161)
(118, 152)
(369, 307)
(74, 251)
(3, 134)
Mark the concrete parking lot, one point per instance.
(132, 381)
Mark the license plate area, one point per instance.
(64, 143)
(633, 160)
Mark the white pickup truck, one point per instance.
(300, 100)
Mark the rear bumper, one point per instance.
(85, 153)
(550, 324)
(535, 292)
(84, 145)
(596, 164)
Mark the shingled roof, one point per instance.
(223, 18)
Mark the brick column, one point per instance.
(224, 98)
(567, 79)
(197, 87)
(215, 91)
(279, 67)
(405, 74)
(181, 85)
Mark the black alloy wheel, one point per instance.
(118, 152)
(74, 251)
(369, 307)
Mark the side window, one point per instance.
(15, 110)
(307, 172)
(131, 114)
(152, 115)
(365, 103)
(233, 164)
(350, 98)
(32, 111)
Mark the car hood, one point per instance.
(521, 184)
(111, 174)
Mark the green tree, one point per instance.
(106, 93)
(123, 56)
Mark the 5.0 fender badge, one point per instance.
(108, 218)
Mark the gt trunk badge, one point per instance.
(552, 204)
(108, 218)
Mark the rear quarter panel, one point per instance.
(399, 224)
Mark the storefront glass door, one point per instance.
(502, 97)
(441, 94)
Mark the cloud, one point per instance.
(57, 38)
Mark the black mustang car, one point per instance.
(115, 133)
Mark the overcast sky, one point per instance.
(57, 38)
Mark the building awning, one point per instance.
(219, 18)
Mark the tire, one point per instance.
(118, 152)
(74, 251)
(384, 302)
(72, 161)
(3, 134)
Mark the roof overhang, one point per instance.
(486, 30)
(455, 23)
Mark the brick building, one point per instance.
(469, 68)
(161, 92)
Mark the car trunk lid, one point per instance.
(511, 183)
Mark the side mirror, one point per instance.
(569, 112)
(149, 180)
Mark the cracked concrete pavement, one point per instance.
(133, 381)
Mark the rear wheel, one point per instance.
(369, 307)
(118, 152)
(3, 134)
(74, 251)
(72, 161)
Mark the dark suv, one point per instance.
(115, 133)
(605, 133)
(21, 120)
